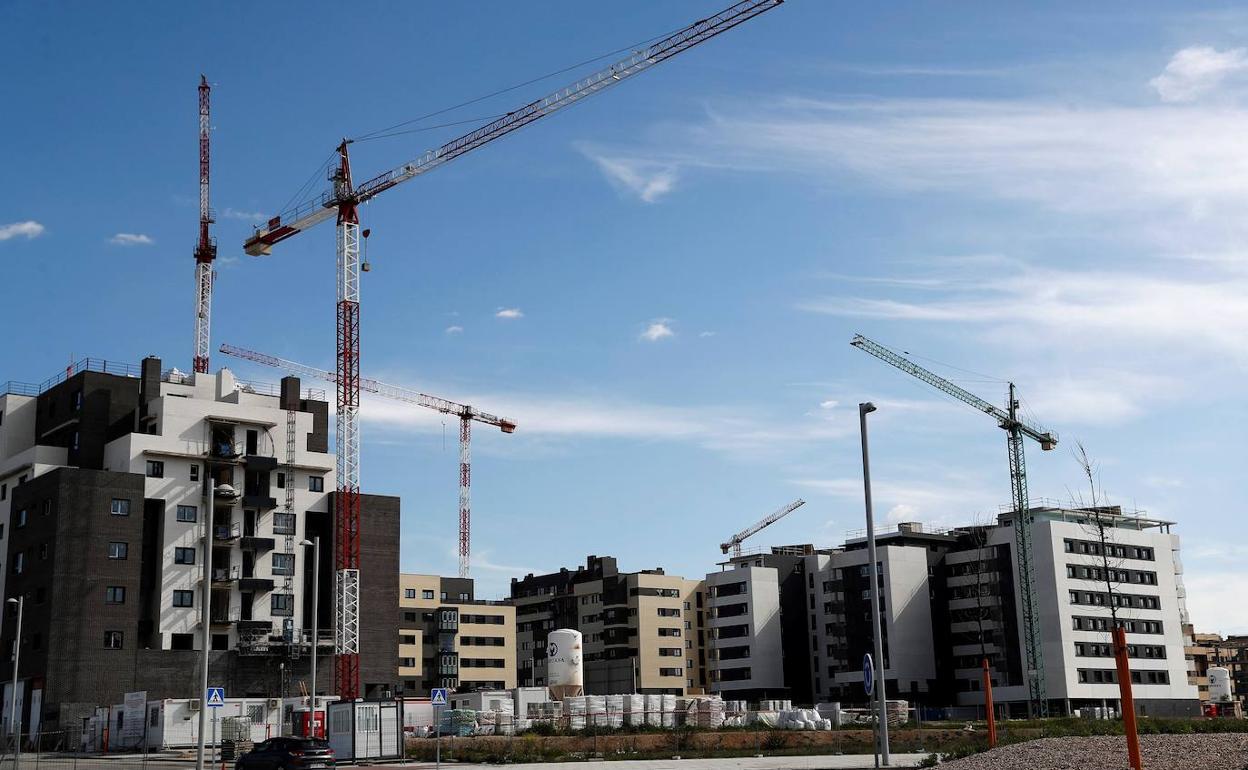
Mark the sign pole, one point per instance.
(438, 697)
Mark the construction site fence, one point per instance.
(83, 748)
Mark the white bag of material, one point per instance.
(635, 710)
(764, 718)
(596, 708)
(615, 711)
(654, 710)
(575, 708)
(668, 710)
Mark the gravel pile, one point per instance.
(1160, 752)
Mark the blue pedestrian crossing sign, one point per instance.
(438, 696)
(216, 697)
(868, 674)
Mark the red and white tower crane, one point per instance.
(206, 246)
(342, 201)
(466, 414)
(734, 542)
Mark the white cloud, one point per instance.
(249, 216)
(940, 499)
(646, 178)
(28, 230)
(1195, 71)
(657, 330)
(131, 239)
(509, 313)
(724, 428)
(454, 330)
(1083, 310)
(706, 334)
(829, 404)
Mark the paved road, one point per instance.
(827, 762)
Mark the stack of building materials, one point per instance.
(496, 721)
(460, 722)
(615, 711)
(775, 705)
(735, 713)
(654, 710)
(830, 712)
(634, 710)
(524, 699)
(707, 713)
(801, 719)
(667, 709)
(596, 710)
(574, 709)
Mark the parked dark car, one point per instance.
(287, 754)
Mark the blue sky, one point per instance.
(1053, 197)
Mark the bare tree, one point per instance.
(1102, 529)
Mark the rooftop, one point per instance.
(122, 369)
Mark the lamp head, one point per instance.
(866, 407)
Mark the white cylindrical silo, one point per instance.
(1219, 684)
(565, 675)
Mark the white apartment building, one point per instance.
(745, 652)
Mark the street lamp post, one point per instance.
(863, 410)
(14, 712)
(315, 544)
(205, 620)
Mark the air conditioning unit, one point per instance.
(194, 704)
(274, 703)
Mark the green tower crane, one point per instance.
(1016, 429)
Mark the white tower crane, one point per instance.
(734, 542)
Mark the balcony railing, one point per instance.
(227, 531)
(224, 574)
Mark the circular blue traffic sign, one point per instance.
(868, 674)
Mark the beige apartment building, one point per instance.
(643, 631)
(448, 638)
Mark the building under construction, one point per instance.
(118, 481)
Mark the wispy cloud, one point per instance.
(1198, 70)
(939, 498)
(658, 329)
(647, 178)
(29, 229)
(131, 239)
(454, 330)
(706, 334)
(1082, 309)
(249, 216)
(509, 313)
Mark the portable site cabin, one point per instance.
(362, 730)
(174, 722)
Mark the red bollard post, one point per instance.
(1128, 701)
(988, 707)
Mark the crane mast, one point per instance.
(206, 246)
(342, 201)
(466, 414)
(1016, 430)
(734, 542)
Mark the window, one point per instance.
(182, 641)
(21, 518)
(188, 514)
(281, 479)
(155, 469)
(183, 598)
(282, 604)
(283, 523)
(47, 507)
(112, 640)
(19, 562)
(316, 483)
(194, 471)
(120, 507)
(426, 594)
(463, 597)
(183, 555)
(43, 551)
(118, 550)
(4, 491)
(283, 564)
(409, 593)
(115, 595)
(407, 662)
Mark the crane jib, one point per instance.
(306, 214)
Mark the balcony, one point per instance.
(260, 463)
(227, 532)
(260, 502)
(253, 543)
(223, 617)
(255, 584)
(224, 574)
